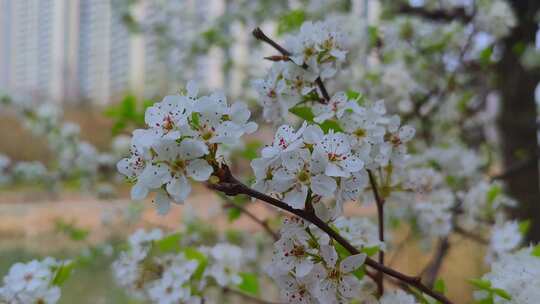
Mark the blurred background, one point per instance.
(76, 75)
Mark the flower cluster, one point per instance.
(179, 276)
(307, 163)
(31, 282)
(184, 138)
(317, 51)
(308, 269)
(514, 278)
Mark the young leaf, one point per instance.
(63, 273)
(250, 283)
(440, 286)
(170, 243)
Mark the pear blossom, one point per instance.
(31, 283)
(334, 151)
(505, 237)
(226, 261)
(397, 297)
(336, 282)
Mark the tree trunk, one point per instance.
(517, 122)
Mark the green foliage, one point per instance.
(440, 286)
(250, 283)
(306, 114)
(192, 253)
(536, 251)
(62, 273)
(128, 113)
(370, 251)
(290, 21)
(524, 226)
(73, 232)
(492, 194)
(233, 214)
(373, 34)
(485, 285)
(170, 243)
(251, 149)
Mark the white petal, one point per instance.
(199, 170)
(163, 203)
(329, 255)
(323, 185)
(191, 148)
(179, 188)
(334, 170)
(296, 198)
(304, 267)
(351, 263)
(349, 286)
(138, 192)
(192, 88)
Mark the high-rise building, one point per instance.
(64, 50)
(80, 50)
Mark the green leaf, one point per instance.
(73, 232)
(373, 33)
(63, 273)
(170, 243)
(330, 125)
(233, 214)
(536, 251)
(250, 283)
(370, 251)
(492, 194)
(440, 286)
(353, 95)
(303, 112)
(290, 21)
(481, 284)
(502, 293)
(485, 55)
(306, 114)
(524, 226)
(192, 253)
(251, 149)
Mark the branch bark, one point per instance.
(229, 185)
(380, 214)
(260, 35)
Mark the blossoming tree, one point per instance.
(336, 143)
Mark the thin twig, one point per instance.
(260, 35)
(431, 271)
(229, 185)
(246, 296)
(471, 235)
(380, 214)
(264, 224)
(437, 15)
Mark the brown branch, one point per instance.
(285, 55)
(229, 185)
(437, 15)
(431, 271)
(471, 235)
(246, 296)
(264, 224)
(380, 214)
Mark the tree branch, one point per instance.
(260, 35)
(436, 15)
(229, 185)
(380, 214)
(246, 296)
(431, 271)
(264, 224)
